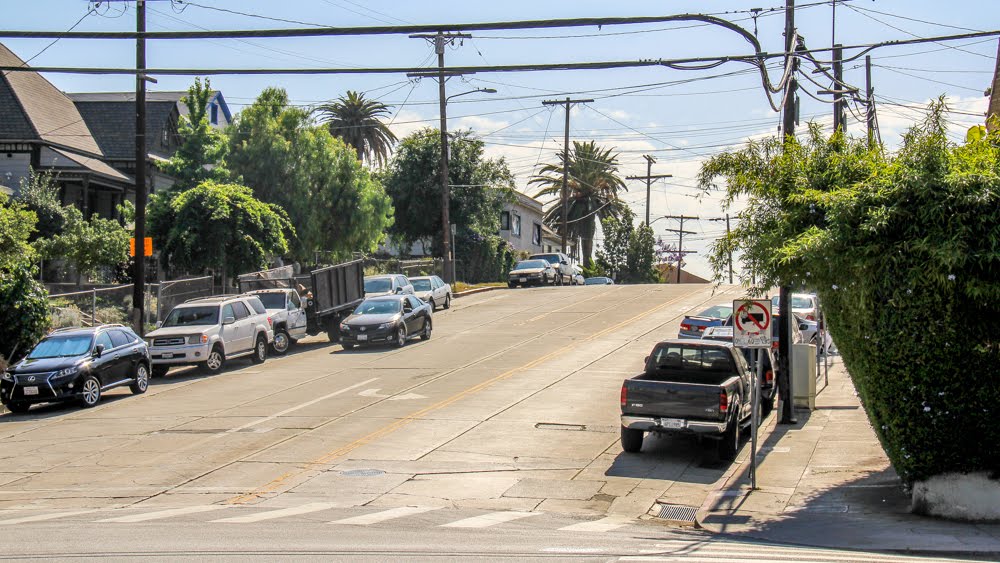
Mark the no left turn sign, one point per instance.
(752, 323)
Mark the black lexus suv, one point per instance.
(77, 364)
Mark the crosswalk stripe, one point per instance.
(44, 517)
(384, 515)
(280, 513)
(487, 520)
(169, 513)
(603, 525)
(756, 552)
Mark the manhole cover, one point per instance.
(677, 513)
(559, 426)
(362, 473)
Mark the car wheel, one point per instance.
(18, 408)
(160, 371)
(141, 380)
(281, 342)
(259, 350)
(347, 346)
(511, 285)
(433, 305)
(447, 301)
(400, 337)
(215, 361)
(427, 331)
(90, 391)
(631, 440)
(729, 445)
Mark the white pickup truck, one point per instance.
(288, 316)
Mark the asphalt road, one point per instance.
(497, 438)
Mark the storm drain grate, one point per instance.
(362, 473)
(559, 426)
(677, 513)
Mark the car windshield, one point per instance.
(530, 264)
(380, 307)
(717, 312)
(550, 258)
(595, 281)
(798, 302)
(272, 300)
(378, 285)
(61, 347)
(421, 285)
(192, 316)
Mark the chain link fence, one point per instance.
(169, 294)
(409, 268)
(109, 305)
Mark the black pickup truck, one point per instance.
(688, 387)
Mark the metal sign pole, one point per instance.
(755, 417)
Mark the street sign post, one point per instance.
(752, 329)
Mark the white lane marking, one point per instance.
(302, 406)
(392, 513)
(280, 513)
(602, 525)
(169, 513)
(374, 393)
(487, 520)
(44, 517)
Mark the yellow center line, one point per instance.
(390, 428)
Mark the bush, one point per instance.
(24, 312)
(483, 258)
(904, 252)
(66, 316)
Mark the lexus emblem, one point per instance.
(363, 329)
(31, 379)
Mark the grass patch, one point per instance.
(462, 286)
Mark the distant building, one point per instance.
(521, 224)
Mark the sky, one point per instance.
(681, 117)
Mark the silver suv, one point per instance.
(209, 331)
(288, 316)
(561, 263)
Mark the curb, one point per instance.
(475, 291)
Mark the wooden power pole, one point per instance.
(565, 193)
(994, 108)
(649, 177)
(680, 239)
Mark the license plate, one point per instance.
(30, 391)
(673, 423)
(522, 280)
(362, 337)
(167, 356)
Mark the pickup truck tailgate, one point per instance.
(690, 401)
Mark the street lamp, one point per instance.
(449, 262)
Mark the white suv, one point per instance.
(209, 331)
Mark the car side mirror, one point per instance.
(399, 290)
(803, 326)
(228, 320)
(407, 309)
(645, 360)
(98, 350)
(159, 324)
(564, 263)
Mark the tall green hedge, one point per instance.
(904, 251)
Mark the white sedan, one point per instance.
(432, 290)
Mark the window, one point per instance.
(505, 220)
(294, 303)
(258, 306)
(227, 311)
(536, 234)
(414, 302)
(104, 340)
(215, 114)
(118, 338)
(515, 227)
(241, 310)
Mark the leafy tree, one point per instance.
(17, 224)
(593, 185)
(358, 122)
(333, 201)
(223, 228)
(903, 251)
(481, 187)
(202, 150)
(87, 244)
(39, 193)
(628, 253)
(24, 311)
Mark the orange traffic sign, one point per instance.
(147, 246)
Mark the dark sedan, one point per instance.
(389, 319)
(693, 326)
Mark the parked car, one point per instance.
(810, 333)
(697, 387)
(77, 364)
(432, 290)
(211, 331)
(578, 278)
(767, 368)
(531, 272)
(693, 326)
(805, 305)
(599, 281)
(562, 264)
(388, 284)
(388, 319)
(288, 316)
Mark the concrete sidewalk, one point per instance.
(826, 482)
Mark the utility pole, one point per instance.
(565, 193)
(680, 240)
(730, 253)
(649, 177)
(787, 415)
(994, 107)
(139, 273)
(839, 104)
(870, 101)
(440, 40)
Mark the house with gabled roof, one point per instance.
(41, 129)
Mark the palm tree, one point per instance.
(592, 191)
(357, 121)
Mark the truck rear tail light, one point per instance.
(769, 376)
(624, 395)
(723, 402)
(810, 317)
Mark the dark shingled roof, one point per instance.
(113, 123)
(33, 109)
